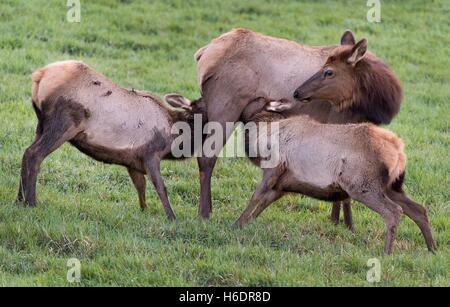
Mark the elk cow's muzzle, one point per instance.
(300, 96)
(305, 91)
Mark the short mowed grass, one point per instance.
(89, 211)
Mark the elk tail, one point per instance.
(36, 78)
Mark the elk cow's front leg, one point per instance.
(206, 168)
(153, 168)
(226, 98)
(139, 182)
(208, 161)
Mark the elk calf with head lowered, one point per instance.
(111, 124)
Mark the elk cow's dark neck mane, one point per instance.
(378, 92)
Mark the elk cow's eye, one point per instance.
(328, 73)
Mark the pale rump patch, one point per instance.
(391, 150)
(46, 80)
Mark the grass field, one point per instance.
(89, 211)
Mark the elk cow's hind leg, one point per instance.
(208, 161)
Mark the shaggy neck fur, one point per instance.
(379, 92)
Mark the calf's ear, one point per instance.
(279, 105)
(348, 38)
(178, 101)
(358, 52)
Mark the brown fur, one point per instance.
(368, 87)
(75, 104)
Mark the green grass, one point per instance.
(89, 211)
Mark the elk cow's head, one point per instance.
(353, 78)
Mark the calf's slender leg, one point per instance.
(257, 198)
(153, 168)
(336, 212)
(417, 213)
(58, 125)
(35, 155)
(389, 210)
(264, 195)
(348, 216)
(139, 182)
(23, 175)
(269, 198)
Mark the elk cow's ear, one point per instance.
(358, 52)
(279, 105)
(178, 101)
(348, 38)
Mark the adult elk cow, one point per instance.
(241, 66)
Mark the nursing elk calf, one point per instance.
(75, 104)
